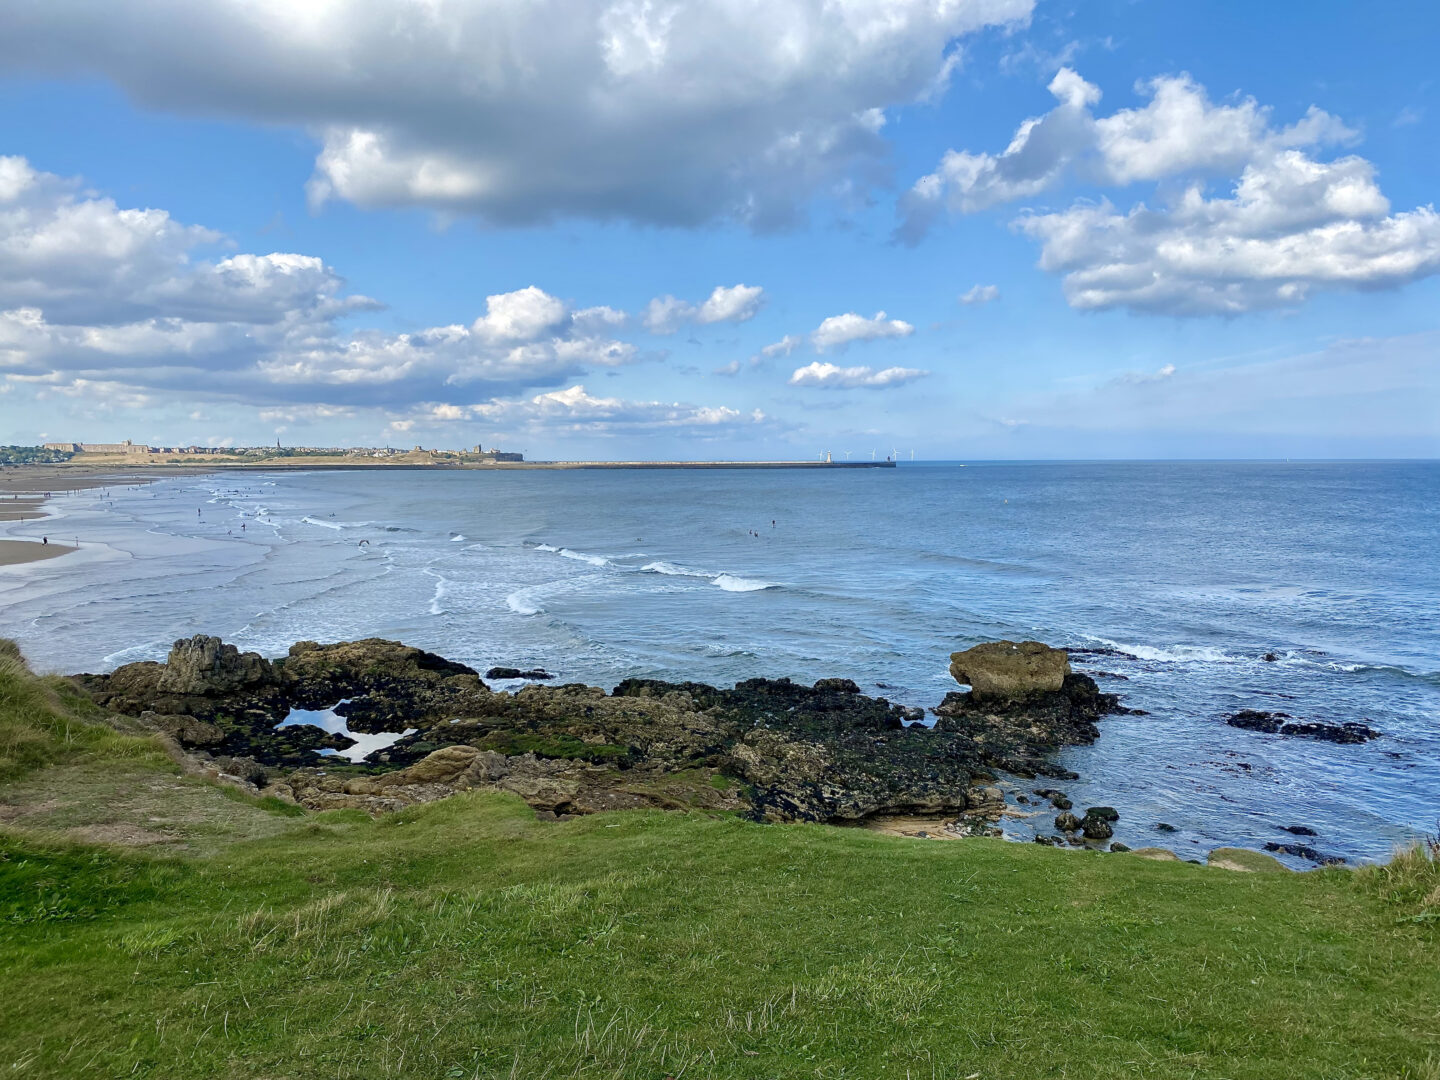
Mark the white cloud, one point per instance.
(784, 347)
(647, 110)
(1293, 225)
(840, 330)
(90, 292)
(738, 303)
(522, 315)
(734, 303)
(575, 409)
(980, 294)
(829, 376)
(1178, 131)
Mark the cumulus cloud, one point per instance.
(733, 303)
(980, 294)
(90, 291)
(1178, 131)
(838, 331)
(1291, 224)
(828, 376)
(645, 110)
(575, 409)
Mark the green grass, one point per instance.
(467, 939)
(46, 721)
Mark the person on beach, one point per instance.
(44, 541)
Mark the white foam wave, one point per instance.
(442, 589)
(322, 524)
(580, 556)
(1173, 654)
(522, 602)
(457, 538)
(728, 582)
(152, 651)
(670, 569)
(731, 583)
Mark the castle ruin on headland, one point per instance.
(126, 447)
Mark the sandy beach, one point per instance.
(16, 552)
(24, 490)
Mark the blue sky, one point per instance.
(618, 228)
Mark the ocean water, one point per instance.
(1185, 574)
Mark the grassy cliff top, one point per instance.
(153, 924)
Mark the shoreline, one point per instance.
(26, 492)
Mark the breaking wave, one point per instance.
(731, 583)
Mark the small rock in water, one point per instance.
(1103, 813)
(1299, 830)
(1269, 723)
(1067, 822)
(516, 673)
(1117, 846)
(1270, 658)
(1096, 828)
(1302, 851)
(1274, 723)
(1165, 827)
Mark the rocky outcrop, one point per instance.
(776, 749)
(186, 730)
(1019, 734)
(206, 665)
(1011, 670)
(1279, 723)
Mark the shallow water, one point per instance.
(1187, 573)
(331, 721)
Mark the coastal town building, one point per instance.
(131, 449)
(126, 447)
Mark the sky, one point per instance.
(627, 229)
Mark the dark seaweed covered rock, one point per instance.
(533, 674)
(773, 748)
(1278, 723)
(1304, 851)
(1018, 734)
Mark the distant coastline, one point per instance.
(96, 465)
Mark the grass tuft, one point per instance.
(39, 727)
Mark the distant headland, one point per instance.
(130, 455)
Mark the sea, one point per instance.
(1176, 579)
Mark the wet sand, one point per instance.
(15, 552)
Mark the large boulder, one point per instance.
(206, 665)
(1010, 669)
